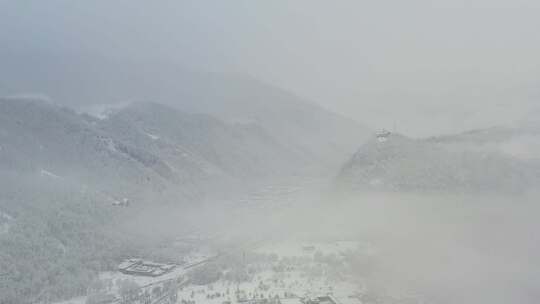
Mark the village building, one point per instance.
(144, 268)
(383, 135)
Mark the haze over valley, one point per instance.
(269, 153)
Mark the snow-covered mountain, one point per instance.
(141, 150)
(240, 150)
(488, 160)
(86, 80)
(40, 138)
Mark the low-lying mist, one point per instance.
(450, 248)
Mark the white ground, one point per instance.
(292, 283)
(5, 222)
(295, 283)
(78, 300)
(46, 173)
(297, 249)
(101, 111)
(152, 136)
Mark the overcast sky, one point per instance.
(429, 66)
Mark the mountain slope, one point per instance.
(86, 79)
(142, 150)
(60, 235)
(215, 149)
(39, 138)
(469, 162)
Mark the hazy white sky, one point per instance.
(430, 66)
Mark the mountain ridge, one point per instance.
(475, 161)
(90, 79)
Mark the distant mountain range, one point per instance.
(140, 150)
(82, 80)
(139, 127)
(499, 159)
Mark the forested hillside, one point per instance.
(59, 235)
(318, 134)
(488, 160)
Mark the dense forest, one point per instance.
(59, 239)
